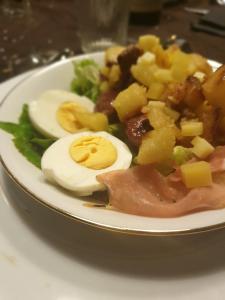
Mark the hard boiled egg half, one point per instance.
(75, 160)
(53, 113)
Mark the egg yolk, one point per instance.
(66, 116)
(93, 152)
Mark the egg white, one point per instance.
(42, 112)
(58, 166)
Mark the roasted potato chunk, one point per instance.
(112, 53)
(148, 42)
(158, 118)
(155, 90)
(129, 102)
(157, 146)
(214, 88)
(144, 73)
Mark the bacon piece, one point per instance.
(142, 190)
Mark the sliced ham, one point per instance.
(142, 190)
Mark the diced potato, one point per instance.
(191, 128)
(172, 113)
(157, 146)
(105, 71)
(197, 174)
(158, 118)
(144, 73)
(148, 42)
(163, 75)
(93, 121)
(114, 74)
(130, 101)
(112, 53)
(155, 90)
(146, 58)
(161, 57)
(201, 64)
(181, 66)
(169, 54)
(201, 148)
(155, 103)
(214, 88)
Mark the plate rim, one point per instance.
(148, 232)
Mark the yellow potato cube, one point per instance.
(158, 118)
(155, 103)
(144, 73)
(130, 101)
(92, 121)
(172, 113)
(157, 146)
(155, 90)
(181, 66)
(105, 71)
(114, 74)
(163, 75)
(112, 53)
(196, 174)
(146, 58)
(201, 148)
(191, 128)
(148, 42)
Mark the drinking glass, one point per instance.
(102, 23)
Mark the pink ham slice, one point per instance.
(142, 190)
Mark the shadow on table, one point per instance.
(169, 258)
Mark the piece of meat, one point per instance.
(142, 190)
(209, 116)
(104, 101)
(128, 58)
(125, 60)
(136, 128)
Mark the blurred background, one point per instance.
(34, 33)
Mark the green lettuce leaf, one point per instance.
(87, 79)
(27, 139)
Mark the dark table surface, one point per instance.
(51, 26)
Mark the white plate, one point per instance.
(30, 179)
(46, 256)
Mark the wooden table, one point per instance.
(53, 27)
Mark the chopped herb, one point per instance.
(181, 155)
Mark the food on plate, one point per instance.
(29, 142)
(54, 112)
(161, 108)
(75, 160)
(149, 193)
(86, 81)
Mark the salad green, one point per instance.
(27, 139)
(87, 79)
